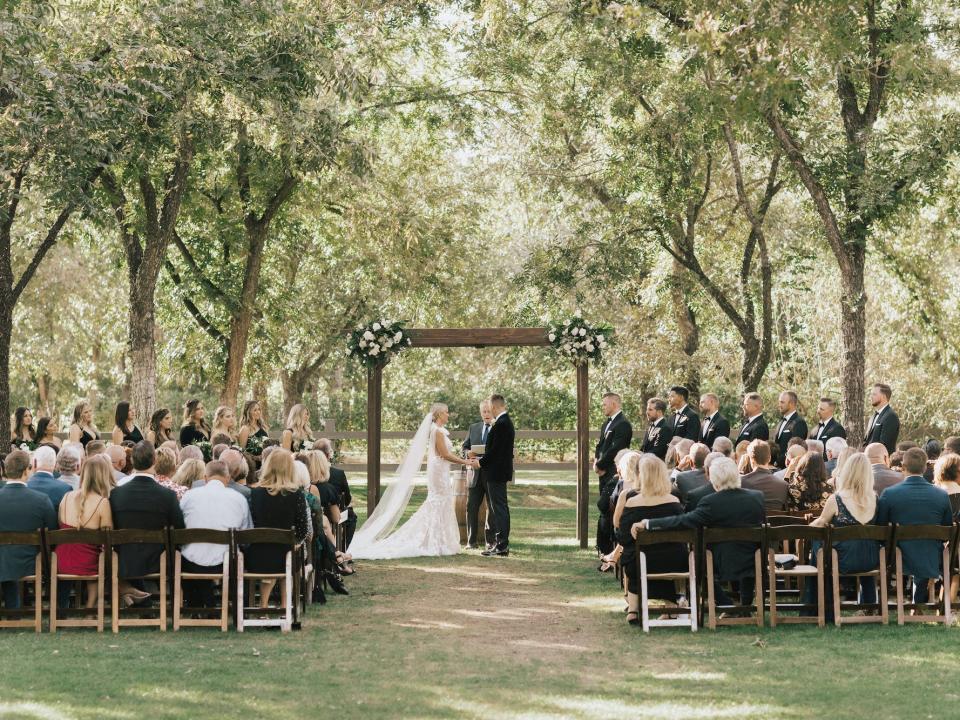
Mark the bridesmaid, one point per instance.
(298, 431)
(253, 425)
(23, 430)
(83, 430)
(225, 422)
(194, 429)
(47, 428)
(161, 428)
(126, 429)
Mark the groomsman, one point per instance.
(658, 436)
(828, 427)
(615, 435)
(685, 423)
(754, 426)
(884, 426)
(791, 424)
(714, 424)
(477, 435)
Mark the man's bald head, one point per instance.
(118, 456)
(877, 454)
(236, 464)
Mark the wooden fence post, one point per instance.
(374, 427)
(583, 454)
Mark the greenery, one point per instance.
(540, 633)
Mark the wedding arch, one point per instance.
(480, 338)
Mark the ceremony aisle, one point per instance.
(540, 634)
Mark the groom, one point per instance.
(497, 466)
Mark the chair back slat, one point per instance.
(135, 536)
(743, 534)
(923, 532)
(655, 537)
(796, 532)
(201, 535)
(881, 533)
(265, 535)
(781, 520)
(13, 537)
(86, 536)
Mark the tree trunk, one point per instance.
(853, 328)
(294, 385)
(140, 337)
(6, 329)
(689, 331)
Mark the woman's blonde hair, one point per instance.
(302, 474)
(623, 463)
(653, 478)
(96, 478)
(317, 464)
(166, 464)
(190, 471)
(298, 426)
(436, 409)
(219, 413)
(855, 481)
(845, 454)
(946, 469)
(278, 474)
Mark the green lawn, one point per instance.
(540, 634)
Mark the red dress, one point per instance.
(78, 558)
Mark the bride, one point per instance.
(432, 530)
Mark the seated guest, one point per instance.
(695, 496)
(905, 445)
(42, 479)
(213, 507)
(338, 479)
(237, 467)
(47, 429)
(808, 489)
(21, 510)
(896, 462)
(82, 430)
(723, 445)
(318, 468)
(143, 505)
(677, 455)
(606, 503)
(730, 506)
(933, 449)
(694, 478)
(760, 477)
(94, 447)
(68, 465)
(833, 448)
(118, 464)
(883, 476)
(219, 448)
(24, 433)
(740, 452)
(946, 476)
(276, 502)
(189, 476)
(952, 444)
(648, 477)
(916, 502)
(89, 509)
(194, 428)
(794, 453)
(190, 452)
(166, 469)
(175, 448)
(125, 429)
(815, 446)
(854, 503)
(161, 427)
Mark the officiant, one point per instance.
(477, 486)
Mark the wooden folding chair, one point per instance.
(713, 536)
(283, 616)
(942, 533)
(79, 616)
(798, 534)
(179, 538)
(122, 617)
(852, 533)
(34, 538)
(685, 617)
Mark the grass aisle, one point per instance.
(540, 634)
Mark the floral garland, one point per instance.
(376, 343)
(580, 341)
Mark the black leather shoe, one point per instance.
(489, 553)
(337, 584)
(318, 596)
(502, 553)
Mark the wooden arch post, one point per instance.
(480, 338)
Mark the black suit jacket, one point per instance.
(22, 510)
(796, 427)
(755, 430)
(831, 430)
(727, 508)
(657, 439)
(615, 435)
(338, 478)
(497, 460)
(689, 481)
(884, 430)
(142, 504)
(718, 427)
(695, 496)
(685, 424)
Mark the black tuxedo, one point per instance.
(478, 491)
(796, 426)
(755, 429)
(884, 429)
(717, 427)
(832, 429)
(497, 466)
(657, 439)
(685, 424)
(615, 435)
(142, 504)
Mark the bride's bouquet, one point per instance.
(579, 341)
(374, 344)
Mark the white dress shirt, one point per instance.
(215, 507)
(784, 421)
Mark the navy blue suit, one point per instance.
(21, 510)
(916, 502)
(47, 484)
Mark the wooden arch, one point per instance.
(481, 338)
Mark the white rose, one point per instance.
(376, 326)
(552, 336)
(583, 331)
(590, 347)
(409, 341)
(398, 337)
(363, 343)
(374, 351)
(389, 343)
(368, 335)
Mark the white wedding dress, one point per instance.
(432, 530)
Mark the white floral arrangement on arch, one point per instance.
(579, 341)
(375, 343)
